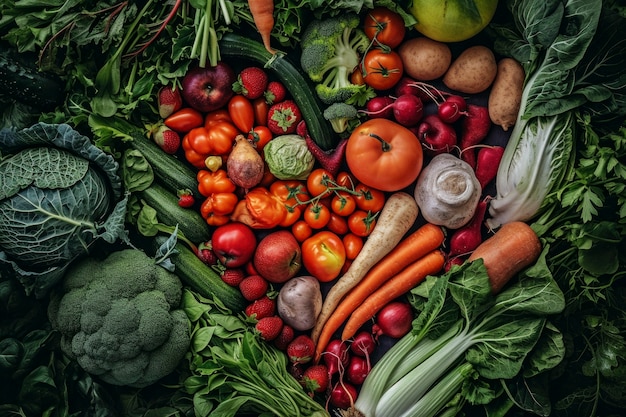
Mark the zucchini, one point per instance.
(22, 81)
(190, 222)
(171, 172)
(201, 278)
(237, 46)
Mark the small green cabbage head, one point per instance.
(59, 193)
(119, 318)
(288, 157)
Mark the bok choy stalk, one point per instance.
(463, 341)
(572, 53)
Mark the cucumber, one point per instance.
(171, 172)
(237, 46)
(190, 222)
(22, 81)
(201, 278)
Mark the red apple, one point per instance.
(207, 89)
(233, 244)
(278, 257)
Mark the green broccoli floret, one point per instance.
(341, 116)
(119, 318)
(331, 50)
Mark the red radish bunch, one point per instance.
(336, 356)
(487, 163)
(475, 127)
(407, 110)
(436, 136)
(468, 237)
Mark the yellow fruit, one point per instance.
(452, 20)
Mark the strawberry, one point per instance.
(263, 307)
(284, 338)
(206, 254)
(232, 276)
(316, 378)
(185, 198)
(169, 101)
(253, 287)
(251, 82)
(275, 92)
(167, 139)
(301, 349)
(269, 327)
(283, 117)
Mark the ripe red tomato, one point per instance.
(318, 181)
(241, 112)
(343, 203)
(368, 198)
(385, 25)
(184, 120)
(361, 223)
(323, 255)
(382, 69)
(337, 224)
(234, 244)
(316, 215)
(260, 136)
(261, 108)
(353, 245)
(384, 155)
(301, 230)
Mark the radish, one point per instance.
(358, 369)
(468, 237)
(452, 109)
(408, 85)
(336, 356)
(487, 163)
(379, 108)
(407, 109)
(475, 127)
(363, 344)
(343, 395)
(393, 320)
(436, 136)
(450, 262)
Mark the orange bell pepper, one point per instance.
(260, 209)
(217, 208)
(210, 182)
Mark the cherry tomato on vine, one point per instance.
(301, 230)
(345, 179)
(337, 224)
(241, 112)
(318, 181)
(316, 215)
(343, 203)
(323, 255)
(361, 223)
(386, 25)
(353, 245)
(382, 69)
(369, 198)
(260, 136)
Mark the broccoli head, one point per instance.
(119, 318)
(331, 50)
(342, 117)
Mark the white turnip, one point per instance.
(299, 302)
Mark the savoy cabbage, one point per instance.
(59, 193)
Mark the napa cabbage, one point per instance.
(573, 53)
(59, 194)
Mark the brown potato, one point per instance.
(473, 71)
(425, 59)
(505, 97)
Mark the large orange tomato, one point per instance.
(384, 155)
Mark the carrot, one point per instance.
(263, 15)
(414, 246)
(395, 287)
(394, 221)
(512, 248)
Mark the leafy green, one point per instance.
(573, 53)
(58, 180)
(233, 371)
(504, 338)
